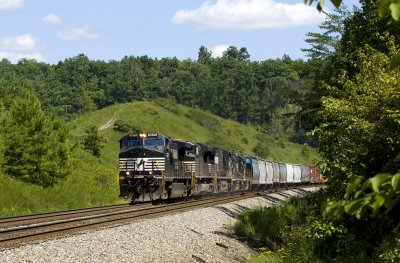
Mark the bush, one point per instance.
(93, 141)
(121, 126)
(389, 249)
(124, 126)
(295, 232)
(168, 104)
(265, 226)
(305, 151)
(204, 119)
(261, 150)
(223, 138)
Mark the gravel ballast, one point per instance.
(201, 235)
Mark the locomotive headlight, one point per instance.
(127, 173)
(143, 135)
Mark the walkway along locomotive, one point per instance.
(154, 167)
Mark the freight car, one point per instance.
(153, 167)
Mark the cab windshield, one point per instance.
(149, 142)
(131, 143)
(154, 142)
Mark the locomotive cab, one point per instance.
(142, 159)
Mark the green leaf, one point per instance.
(336, 3)
(395, 8)
(354, 207)
(320, 5)
(383, 8)
(309, 2)
(378, 201)
(334, 208)
(353, 185)
(358, 193)
(393, 203)
(396, 182)
(365, 185)
(395, 61)
(377, 181)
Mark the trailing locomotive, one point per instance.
(154, 167)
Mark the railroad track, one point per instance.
(18, 221)
(59, 224)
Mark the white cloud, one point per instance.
(11, 4)
(218, 51)
(51, 19)
(14, 57)
(80, 33)
(19, 43)
(249, 14)
(18, 47)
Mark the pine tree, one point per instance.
(34, 148)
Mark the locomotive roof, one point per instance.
(146, 135)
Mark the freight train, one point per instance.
(154, 167)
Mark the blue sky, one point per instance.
(50, 31)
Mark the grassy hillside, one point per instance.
(93, 181)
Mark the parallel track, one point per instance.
(77, 221)
(18, 221)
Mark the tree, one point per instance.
(374, 22)
(326, 43)
(204, 56)
(93, 141)
(359, 137)
(231, 52)
(385, 7)
(325, 62)
(244, 54)
(34, 148)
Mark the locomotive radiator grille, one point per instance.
(142, 164)
(189, 166)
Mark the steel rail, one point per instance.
(7, 222)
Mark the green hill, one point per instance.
(94, 181)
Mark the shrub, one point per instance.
(168, 104)
(305, 151)
(124, 126)
(261, 150)
(121, 126)
(266, 225)
(295, 232)
(389, 249)
(282, 143)
(204, 119)
(93, 141)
